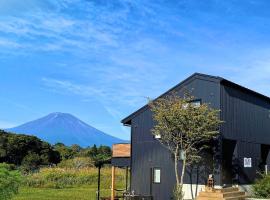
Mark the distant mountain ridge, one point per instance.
(67, 129)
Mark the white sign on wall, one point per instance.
(247, 162)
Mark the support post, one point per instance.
(98, 192)
(151, 181)
(113, 183)
(126, 179)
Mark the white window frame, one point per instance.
(157, 136)
(157, 175)
(196, 103)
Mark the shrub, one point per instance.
(9, 181)
(262, 187)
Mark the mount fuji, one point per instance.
(67, 129)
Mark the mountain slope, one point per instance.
(67, 129)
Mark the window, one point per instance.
(247, 162)
(196, 103)
(157, 173)
(157, 136)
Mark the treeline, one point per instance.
(95, 153)
(29, 153)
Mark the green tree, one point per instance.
(105, 151)
(64, 151)
(76, 149)
(9, 182)
(77, 163)
(31, 162)
(14, 148)
(93, 151)
(185, 129)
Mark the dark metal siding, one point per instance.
(148, 153)
(247, 121)
(121, 162)
(246, 116)
(249, 150)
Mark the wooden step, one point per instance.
(233, 194)
(229, 189)
(208, 198)
(222, 194)
(240, 197)
(215, 198)
(211, 194)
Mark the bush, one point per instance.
(262, 187)
(9, 181)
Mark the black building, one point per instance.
(241, 151)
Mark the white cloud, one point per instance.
(66, 86)
(55, 29)
(9, 44)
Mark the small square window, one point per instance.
(157, 173)
(196, 103)
(157, 136)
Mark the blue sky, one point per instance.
(99, 60)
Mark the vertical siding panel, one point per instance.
(247, 123)
(245, 116)
(148, 153)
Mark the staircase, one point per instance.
(222, 194)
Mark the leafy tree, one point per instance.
(64, 151)
(105, 151)
(30, 152)
(76, 149)
(15, 147)
(31, 162)
(9, 181)
(77, 163)
(93, 151)
(185, 129)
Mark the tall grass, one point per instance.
(64, 178)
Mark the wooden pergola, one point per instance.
(120, 158)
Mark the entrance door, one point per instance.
(229, 162)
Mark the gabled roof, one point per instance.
(127, 120)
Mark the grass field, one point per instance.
(65, 184)
(76, 193)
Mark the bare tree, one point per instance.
(185, 128)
